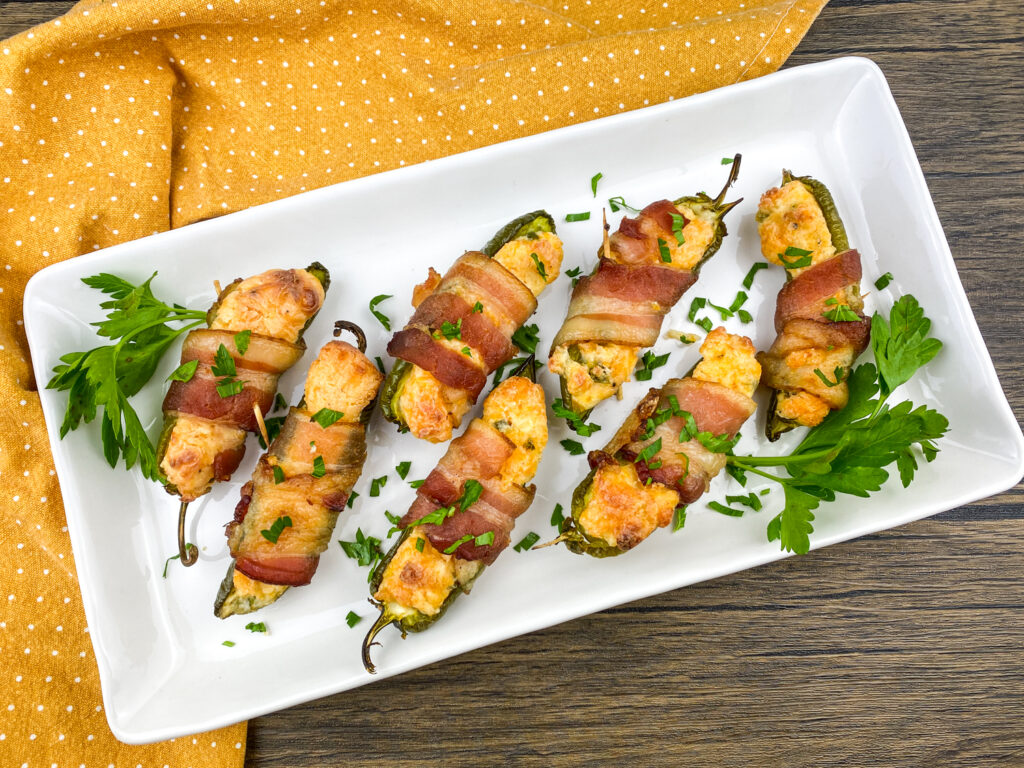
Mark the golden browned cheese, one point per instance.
(421, 581)
(192, 446)
(729, 359)
(418, 581)
(342, 379)
(276, 303)
(430, 409)
(790, 217)
(516, 409)
(598, 373)
(517, 257)
(621, 510)
(697, 236)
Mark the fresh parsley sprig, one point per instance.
(848, 451)
(106, 376)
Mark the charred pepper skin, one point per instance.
(533, 223)
(775, 426)
(698, 202)
(572, 533)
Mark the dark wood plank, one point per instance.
(902, 648)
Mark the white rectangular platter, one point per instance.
(163, 667)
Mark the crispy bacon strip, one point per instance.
(479, 455)
(473, 278)
(306, 475)
(808, 340)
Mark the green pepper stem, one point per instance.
(382, 621)
(734, 173)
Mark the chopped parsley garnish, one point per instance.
(739, 301)
(883, 281)
(526, 338)
(724, 510)
(394, 520)
(365, 550)
(648, 452)
(188, 548)
(838, 373)
(457, 543)
(682, 338)
(436, 517)
(420, 541)
(319, 467)
(274, 533)
(705, 323)
(230, 387)
(678, 222)
(666, 255)
(750, 500)
(381, 317)
(471, 491)
(278, 474)
(539, 266)
(678, 519)
(714, 443)
(242, 339)
(527, 542)
(416, 483)
(484, 539)
(841, 313)
(403, 469)
(723, 311)
(744, 316)
(727, 161)
(696, 305)
(478, 307)
(450, 330)
(229, 643)
(557, 517)
(577, 216)
(351, 499)
(649, 362)
(574, 447)
(325, 417)
(574, 273)
(353, 618)
(223, 363)
(748, 281)
(279, 403)
(618, 203)
(795, 258)
(184, 372)
(254, 626)
(467, 351)
(376, 484)
(576, 423)
(593, 182)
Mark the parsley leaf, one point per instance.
(577, 216)
(539, 266)
(557, 517)
(352, 618)
(184, 372)
(666, 255)
(795, 258)
(254, 626)
(381, 317)
(376, 484)
(593, 182)
(883, 281)
(365, 550)
(319, 467)
(576, 424)
(649, 362)
(748, 281)
(527, 542)
(724, 510)
(242, 339)
(619, 203)
(841, 313)
(678, 222)
(526, 338)
(574, 447)
(678, 518)
(901, 346)
(274, 533)
(325, 417)
(403, 469)
(471, 491)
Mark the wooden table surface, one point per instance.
(903, 648)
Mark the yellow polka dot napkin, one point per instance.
(127, 117)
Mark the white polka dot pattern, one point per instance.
(119, 120)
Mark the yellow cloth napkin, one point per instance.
(127, 117)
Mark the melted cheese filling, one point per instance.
(697, 236)
(729, 360)
(516, 409)
(276, 303)
(192, 446)
(790, 217)
(517, 257)
(342, 379)
(621, 510)
(598, 372)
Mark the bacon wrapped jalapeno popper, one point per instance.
(666, 453)
(254, 335)
(818, 316)
(287, 512)
(464, 512)
(463, 326)
(642, 271)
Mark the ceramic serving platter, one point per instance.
(163, 666)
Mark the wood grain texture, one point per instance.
(905, 648)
